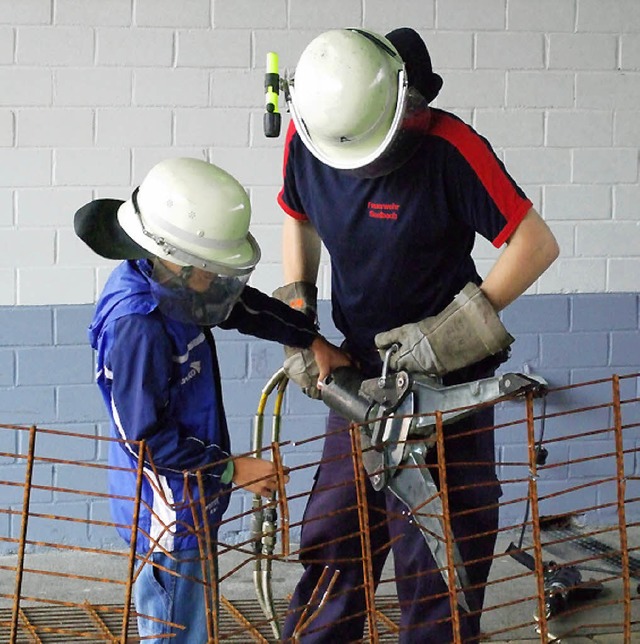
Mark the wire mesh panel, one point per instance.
(564, 559)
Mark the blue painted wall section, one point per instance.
(46, 379)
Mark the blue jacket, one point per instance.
(160, 382)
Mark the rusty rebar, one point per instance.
(447, 530)
(535, 519)
(622, 519)
(23, 533)
(365, 534)
(134, 542)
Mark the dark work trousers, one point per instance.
(331, 538)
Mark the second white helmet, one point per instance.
(192, 213)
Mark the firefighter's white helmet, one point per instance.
(192, 213)
(347, 96)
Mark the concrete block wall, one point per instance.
(94, 93)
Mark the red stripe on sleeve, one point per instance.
(484, 163)
(291, 130)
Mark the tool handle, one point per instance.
(341, 392)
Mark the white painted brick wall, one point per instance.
(256, 14)
(630, 52)
(526, 50)
(627, 128)
(134, 47)
(55, 46)
(54, 127)
(614, 16)
(214, 48)
(6, 208)
(95, 93)
(6, 128)
(90, 12)
(29, 12)
(577, 202)
(379, 15)
(48, 207)
(169, 13)
(7, 39)
(583, 51)
(626, 199)
(542, 16)
(124, 127)
(572, 128)
(92, 86)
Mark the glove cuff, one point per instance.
(467, 331)
(302, 296)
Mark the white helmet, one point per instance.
(192, 213)
(187, 212)
(347, 96)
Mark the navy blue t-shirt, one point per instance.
(400, 245)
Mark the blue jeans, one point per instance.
(180, 598)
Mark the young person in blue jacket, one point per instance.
(396, 191)
(184, 234)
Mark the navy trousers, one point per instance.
(331, 538)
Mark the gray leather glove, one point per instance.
(300, 364)
(466, 331)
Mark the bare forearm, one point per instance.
(530, 251)
(300, 251)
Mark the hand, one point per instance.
(414, 352)
(466, 331)
(301, 367)
(256, 475)
(309, 367)
(328, 357)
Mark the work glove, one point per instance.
(466, 331)
(300, 364)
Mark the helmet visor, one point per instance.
(195, 296)
(403, 143)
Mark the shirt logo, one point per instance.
(194, 369)
(383, 210)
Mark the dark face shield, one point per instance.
(195, 296)
(405, 141)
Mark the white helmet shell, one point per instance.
(191, 212)
(347, 96)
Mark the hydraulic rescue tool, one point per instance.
(396, 415)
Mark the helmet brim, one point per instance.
(96, 223)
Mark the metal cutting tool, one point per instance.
(397, 416)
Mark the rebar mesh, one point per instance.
(566, 562)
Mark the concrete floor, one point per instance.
(509, 608)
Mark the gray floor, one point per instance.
(98, 578)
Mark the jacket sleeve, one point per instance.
(265, 317)
(141, 361)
